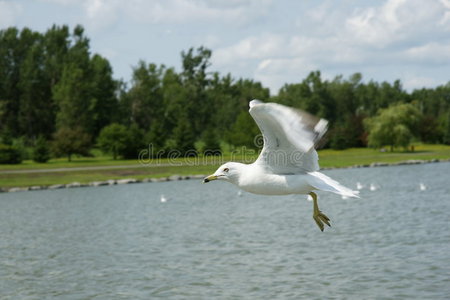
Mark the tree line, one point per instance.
(60, 99)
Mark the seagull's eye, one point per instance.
(226, 170)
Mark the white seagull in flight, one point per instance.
(288, 162)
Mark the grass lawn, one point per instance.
(50, 178)
(117, 169)
(360, 156)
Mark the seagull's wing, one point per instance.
(289, 137)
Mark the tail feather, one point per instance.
(322, 182)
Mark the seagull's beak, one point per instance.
(209, 178)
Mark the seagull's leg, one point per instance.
(318, 216)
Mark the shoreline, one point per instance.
(176, 177)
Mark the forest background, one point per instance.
(59, 99)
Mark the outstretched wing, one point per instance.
(289, 138)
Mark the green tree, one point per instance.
(174, 99)
(156, 139)
(74, 93)
(10, 154)
(67, 142)
(183, 138)
(41, 150)
(113, 139)
(145, 96)
(57, 43)
(311, 95)
(224, 102)
(50, 81)
(71, 94)
(195, 81)
(103, 101)
(6, 137)
(244, 132)
(390, 94)
(231, 111)
(429, 130)
(174, 124)
(11, 57)
(394, 126)
(134, 142)
(446, 130)
(211, 145)
(36, 112)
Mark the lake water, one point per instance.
(207, 242)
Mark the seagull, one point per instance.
(359, 186)
(288, 162)
(422, 187)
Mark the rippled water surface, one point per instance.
(208, 242)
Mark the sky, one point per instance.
(274, 42)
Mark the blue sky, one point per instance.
(271, 41)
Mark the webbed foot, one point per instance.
(319, 216)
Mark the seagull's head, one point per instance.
(228, 172)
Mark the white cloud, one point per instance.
(276, 72)
(177, 11)
(396, 33)
(9, 11)
(209, 41)
(101, 13)
(433, 52)
(396, 21)
(278, 59)
(62, 2)
(445, 21)
(333, 49)
(253, 47)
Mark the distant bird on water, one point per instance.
(422, 187)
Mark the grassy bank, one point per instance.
(362, 156)
(59, 171)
